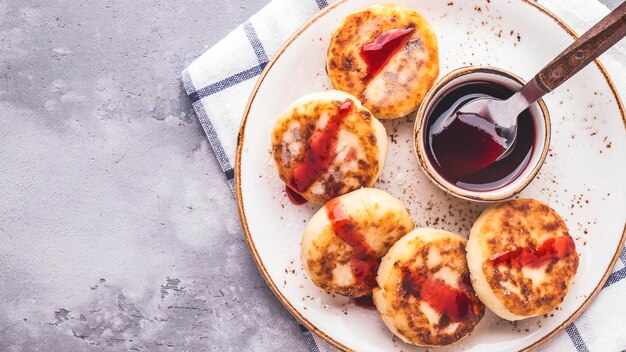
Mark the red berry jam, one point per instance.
(552, 248)
(446, 300)
(377, 53)
(364, 262)
(319, 156)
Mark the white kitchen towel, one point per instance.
(220, 81)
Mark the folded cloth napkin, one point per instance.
(220, 81)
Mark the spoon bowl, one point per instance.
(488, 109)
(485, 109)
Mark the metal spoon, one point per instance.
(504, 113)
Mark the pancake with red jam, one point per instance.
(327, 144)
(344, 241)
(522, 258)
(385, 55)
(424, 295)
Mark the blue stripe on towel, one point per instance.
(308, 338)
(222, 158)
(573, 333)
(226, 83)
(253, 38)
(321, 3)
(230, 174)
(615, 277)
(196, 95)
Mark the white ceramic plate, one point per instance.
(583, 176)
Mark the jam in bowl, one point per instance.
(465, 158)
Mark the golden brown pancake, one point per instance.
(395, 39)
(343, 242)
(327, 144)
(425, 296)
(521, 258)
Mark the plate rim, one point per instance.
(244, 222)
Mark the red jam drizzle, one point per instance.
(321, 152)
(295, 197)
(552, 248)
(443, 298)
(364, 262)
(364, 302)
(350, 156)
(377, 53)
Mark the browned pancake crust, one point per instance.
(417, 328)
(336, 181)
(331, 251)
(406, 80)
(526, 223)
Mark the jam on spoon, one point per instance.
(468, 144)
(466, 152)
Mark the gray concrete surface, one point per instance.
(117, 229)
(611, 3)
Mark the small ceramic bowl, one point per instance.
(471, 74)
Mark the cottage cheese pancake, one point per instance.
(327, 144)
(522, 258)
(385, 55)
(344, 241)
(424, 294)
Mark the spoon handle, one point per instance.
(585, 49)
